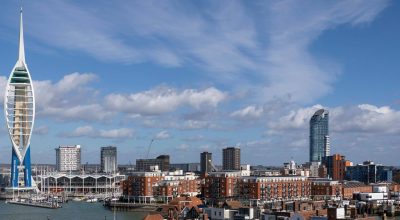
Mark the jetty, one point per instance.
(125, 206)
(35, 204)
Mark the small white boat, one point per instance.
(91, 200)
(77, 199)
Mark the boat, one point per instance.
(77, 199)
(91, 200)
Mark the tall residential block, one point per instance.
(108, 157)
(19, 110)
(231, 158)
(205, 162)
(319, 136)
(68, 158)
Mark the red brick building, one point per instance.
(274, 187)
(221, 184)
(336, 166)
(174, 188)
(322, 189)
(349, 188)
(141, 183)
(233, 185)
(161, 184)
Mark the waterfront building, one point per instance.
(205, 162)
(176, 184)
(19, 109)
(139, 184)
(231, 158)
(163, 186)
(161, 161)
(68, 158)
(108, 159)
(319, 136)
(369, 172)
(79, 185)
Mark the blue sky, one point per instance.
(202, 75)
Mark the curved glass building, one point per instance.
(319, 135)
(19, 110)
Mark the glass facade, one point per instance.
(319, 135)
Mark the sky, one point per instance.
(203, 75)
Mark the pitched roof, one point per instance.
(153, 217)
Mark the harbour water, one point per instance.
(69, 211)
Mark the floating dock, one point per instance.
(138, 207)
(35, 204)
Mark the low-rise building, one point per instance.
(177, 184)
(219, 185)
(349, 188)
(151, 185)
(140, 185)
(326, 189)
(369, 172)
(161, 161)
(274, 188)
(80, 184)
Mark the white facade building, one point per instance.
(68, 158)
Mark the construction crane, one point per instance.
(212, 165)
(148, 148)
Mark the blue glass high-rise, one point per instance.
(319, 136)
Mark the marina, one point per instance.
(71, 210)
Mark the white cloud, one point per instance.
(162, 135)
(71, 98)
(164, 100)
(295, 119)
(177, 124)
(232, 40)
(366, 118)
(90, 112)
(248, 113)
(89, 131)
(292, 26)
(117, 133)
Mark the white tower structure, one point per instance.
(19, 110)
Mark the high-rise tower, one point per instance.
(231, 158)
(205, 162)
(108, 159)
(319, 136)
(19, 110)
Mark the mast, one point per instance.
(21, 54)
